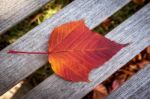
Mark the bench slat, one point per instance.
(13, 11)
(14, 68)
(138, 87)
(134, 30)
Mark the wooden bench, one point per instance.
(135, 88)
(135, 30)
(13, 11)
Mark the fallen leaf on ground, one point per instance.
(139, 2)
(116, 84)
(106, 24)
(148, 50)
(143, 63)
(100, 92)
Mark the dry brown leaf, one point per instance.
(133, 67)
(139, 2)
(100, 92)
(139, 56)
(105, 24)
(117, 83)
(148, 50)
(102, 89)
(143, 63)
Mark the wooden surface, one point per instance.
(134, 30)
(14, 68)
(13, 11)
(138, 87)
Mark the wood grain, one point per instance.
(137, 87)
(134, 30)
(13, 11)
(14, 68)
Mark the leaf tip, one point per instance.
(126, 44)
(89, 81)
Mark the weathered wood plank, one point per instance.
(137, 87)
(135, 31)
(13, 11)
(14, 68)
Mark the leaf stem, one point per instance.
(23, 52)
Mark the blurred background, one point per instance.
(49, 10)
